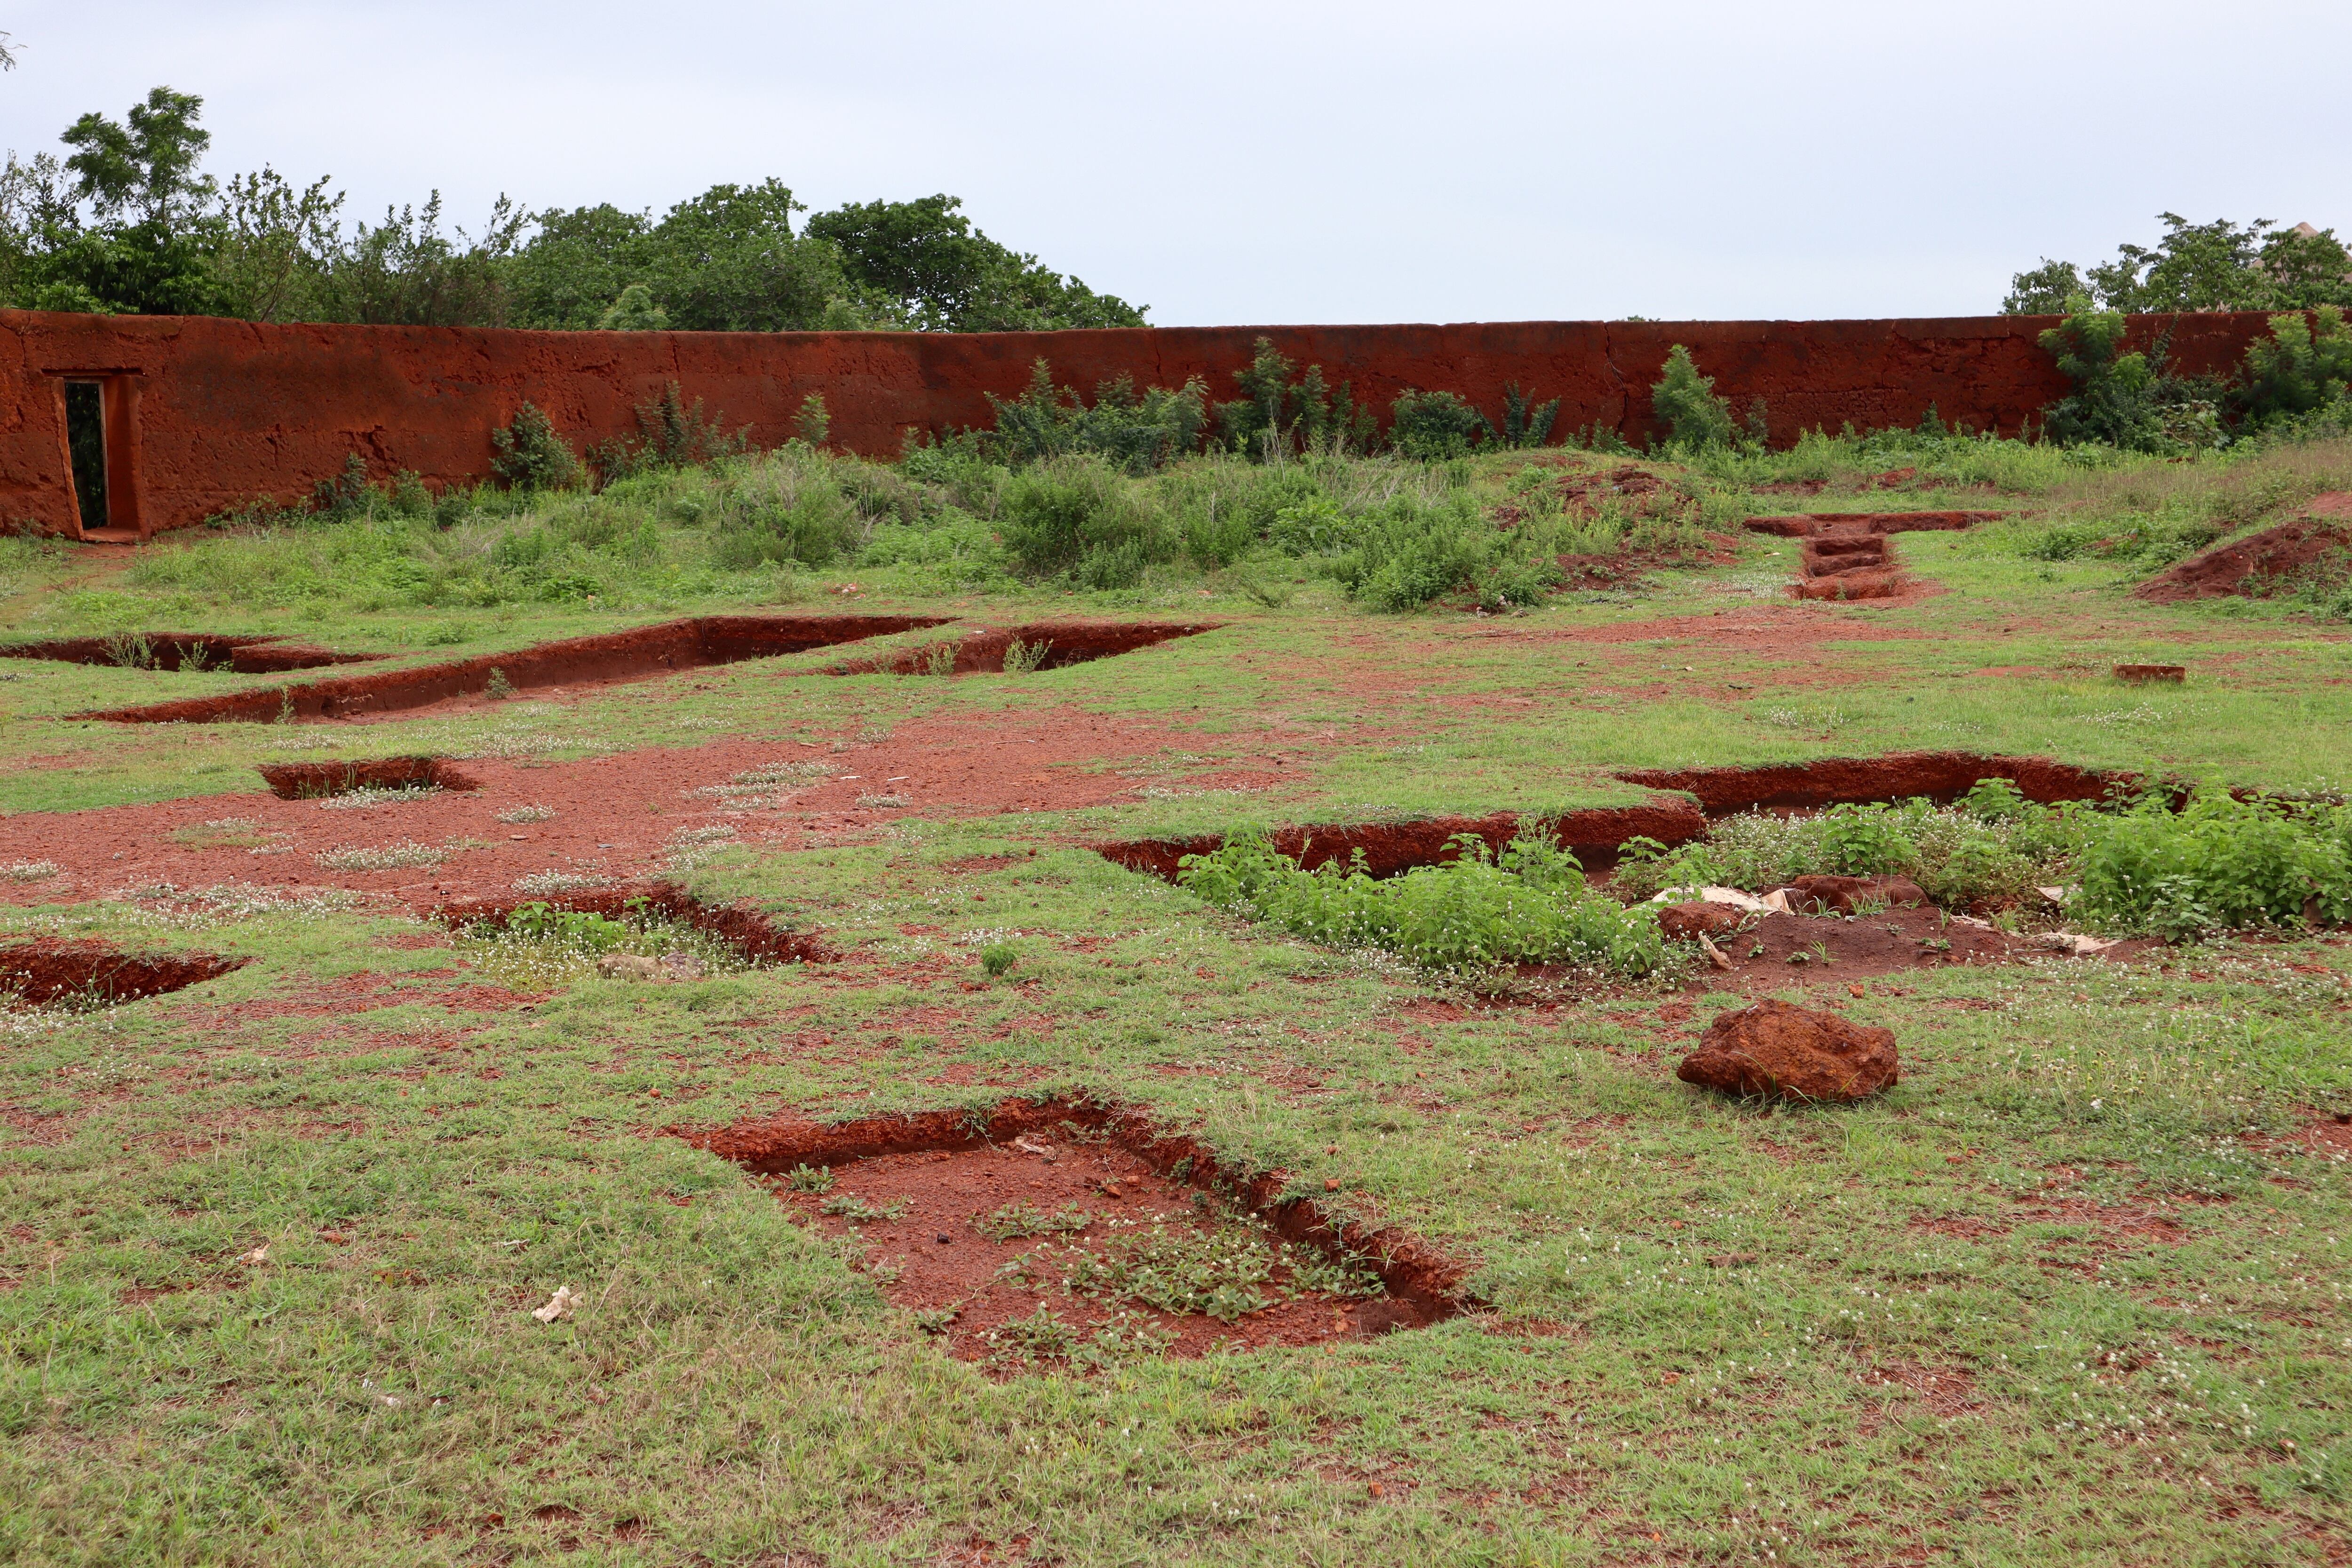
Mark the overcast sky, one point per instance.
(1293, 163)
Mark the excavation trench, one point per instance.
(1596, 836)
(316, 780)
(749, 931)
(639, 654)
(1845, 555)
(50, 970)
(1050, 644)
(187, 651)
(989, 1212)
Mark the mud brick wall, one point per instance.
(205, 414)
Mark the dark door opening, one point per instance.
(85, 441)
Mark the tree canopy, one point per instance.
(2212, 266)
(128, 221)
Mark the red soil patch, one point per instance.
(2145, 674)
(316, 780)
(49, 971)
(614, 815)
(1594, 837)
(636, 655)
(1943, 776)
(239, 655)
(1834, 951)
(746, 929)
(982, 649)
(2261, 563)
(951, 1168)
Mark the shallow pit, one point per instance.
(188, 652)
(1595, 836)
(747, 931)
(317, 781)
(1940, 776)
(1051, 644)
(1805, 524)
(897, 1184)
(51, 970)
(640, 654)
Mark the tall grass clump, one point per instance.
(1528, 905)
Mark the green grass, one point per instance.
(2071, 1292)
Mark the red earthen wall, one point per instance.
(211, 413)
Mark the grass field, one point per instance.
(2071, 1292)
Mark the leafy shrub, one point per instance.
(1528, 905)
(2302, 367)
(1525, 424)
(2126, 400)
(1993, 847)
(1074, 514)
(532, 456)
(1138, 431)
(2217, 864)
(1411, 551)
(671, 434)
(1684, 402)
(1276, 415)
(1433, 427)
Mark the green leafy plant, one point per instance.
(1685, 403)
(1137, 431)
(532, 456)
(498, 689)
(810, 1178)
(1433, 427)
(2302, 367)
(857, 1211)
(1026, 658)
(998, 959)
(2220, 863)
(813, 422)
(1529, 904)
(1277, 416)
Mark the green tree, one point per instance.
(926, 264)
(2215, 265)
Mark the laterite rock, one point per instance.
(1776, 1049)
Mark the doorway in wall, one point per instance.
(86, 442)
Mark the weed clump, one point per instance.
(539, 947)
(1989, 849)
(1528, 905)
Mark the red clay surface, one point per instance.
(951, 1167)
(610, 657)
(316, 780)
(49, 970)
(617, 817)
(981, 650)
(1805, 524)
(192, 651)
(1834, 950)
(2320, 540)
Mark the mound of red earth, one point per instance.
(1051, 644)
(981, 1213)
(49, 971)
(639, 654)
(236, 653)
(316, 780)
(1943, 776)
(2319, 541)
(1594, 836)
(747, 930)
(1774, 1049)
